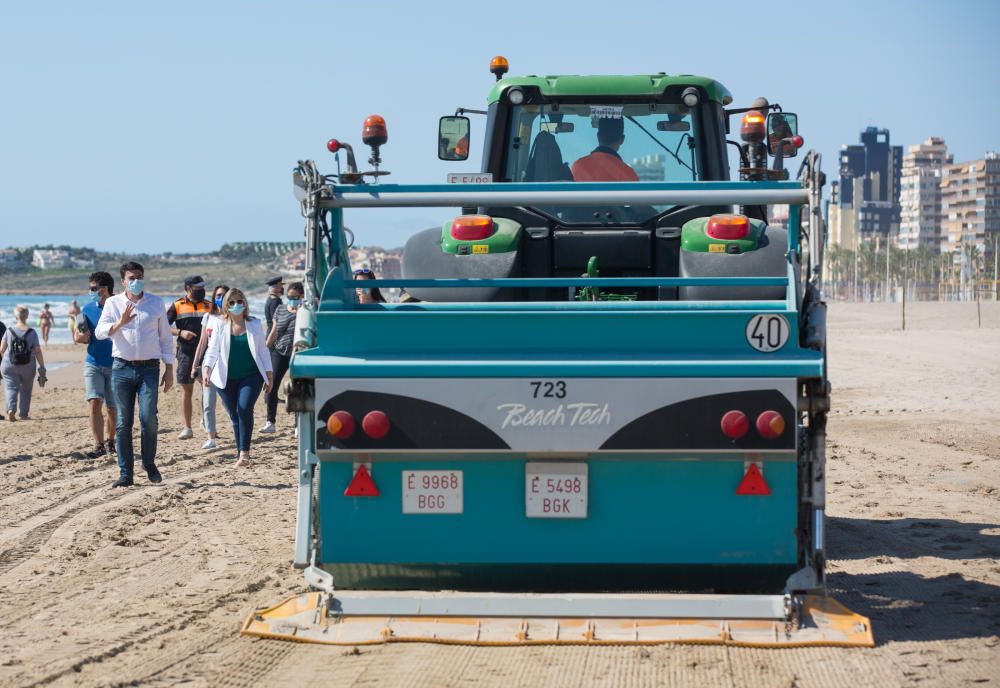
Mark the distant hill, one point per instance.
(246, 265)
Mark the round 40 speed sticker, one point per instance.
(767, 332)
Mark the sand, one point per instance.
(148, 586)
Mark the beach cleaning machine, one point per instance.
(597, 414)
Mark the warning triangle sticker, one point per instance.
(753, 483)
(361, 485)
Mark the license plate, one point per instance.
(555, 490)
(432, 492)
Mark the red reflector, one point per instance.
(770, 425)
(753, 483)
(798, 141)
(375, 424)
(472, 227)
(735, 424)
(361, 485)
(333, 145)
(340, 424)
(728, 227)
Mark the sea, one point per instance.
(59, 305)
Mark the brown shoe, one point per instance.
(11, 417)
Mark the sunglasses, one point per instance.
(236, 302)
(93, 289)
(363, 271)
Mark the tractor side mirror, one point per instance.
(780, 126)
(453, 138)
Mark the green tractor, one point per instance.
(569, 131)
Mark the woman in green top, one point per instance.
(238, 363)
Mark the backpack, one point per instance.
(20, 352)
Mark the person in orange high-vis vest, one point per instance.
(604, 164)
(185, 316)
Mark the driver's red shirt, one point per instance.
(603, 165)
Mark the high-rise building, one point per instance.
(920, 194)
(868, 190)
(970, 205)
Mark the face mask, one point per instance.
(135, 286)
(237, 308)
(197, 294)
(218, 302)
(294, 303)
(95, 296)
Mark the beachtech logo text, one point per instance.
(567, 415)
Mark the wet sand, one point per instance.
(148, 586)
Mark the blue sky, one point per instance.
(174, 127)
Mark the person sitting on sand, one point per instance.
(21, 355)
(238, 363)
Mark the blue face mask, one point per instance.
(218, 302)
(94, 297)
(294, 303)
(237, 308)
(135, 286)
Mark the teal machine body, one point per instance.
(560, 445)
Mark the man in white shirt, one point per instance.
(136, 323)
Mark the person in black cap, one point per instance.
(185, 316)
(275, 288)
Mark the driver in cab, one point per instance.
(604, 164)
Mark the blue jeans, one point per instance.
(239, 397)
(128, 382)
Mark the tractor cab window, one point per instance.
(601, 142)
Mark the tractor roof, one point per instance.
(608, 85)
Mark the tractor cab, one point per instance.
(609, 135)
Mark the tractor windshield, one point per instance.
(601, 142)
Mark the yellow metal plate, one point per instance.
(825, 623)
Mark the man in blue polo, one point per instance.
(97, 366)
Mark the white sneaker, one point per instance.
(209, 444)
(186, 434)
(268, 428)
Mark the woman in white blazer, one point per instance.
(238, 364)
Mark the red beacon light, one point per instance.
(797, 141)
(333, 145)
(728, 227)
(472, 227)
(752, 127)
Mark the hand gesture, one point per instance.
(186, 334)
(127, 316)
